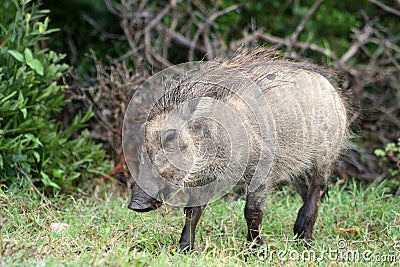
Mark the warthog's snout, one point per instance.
(142, 202)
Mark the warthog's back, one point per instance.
(310, 116)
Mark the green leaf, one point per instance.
(36, 66)
(33, 139)
(58, 173)
(390, 147)
(20, 100)
(61, 141)
(24, 112)
(36, 155)
(33, 63)
(47, 182)
(1, 162)
(7, 97)
(28, 54)
(17, 55)
(379, 152)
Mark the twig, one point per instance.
(386, 8)
(171, 29)
(281, 41)
(161, 14)
(97, 27)
(295, 35)
(227, 10)
(111, 8)
(248, 38)
(204, 29)
(178, 38)
(361, 39)
(150, 53)
(302, 45)
(35, 188)
(125, 28)
(72, 46)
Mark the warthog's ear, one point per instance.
(197, 107)
(204, 107)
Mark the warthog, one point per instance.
(290, 131)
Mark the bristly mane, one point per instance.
(191, 85)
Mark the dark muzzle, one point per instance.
(142, 202)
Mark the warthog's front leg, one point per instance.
(253, 212)
(193, 215)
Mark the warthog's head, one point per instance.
(183, 149)
(186, 151)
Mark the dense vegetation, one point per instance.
(34, 147)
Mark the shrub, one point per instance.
(33, 145)
(390, 157)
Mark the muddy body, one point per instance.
(309, 131)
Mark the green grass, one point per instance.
(103, 232)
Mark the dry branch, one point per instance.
(21, 171)
(385, 7)
(295, 35)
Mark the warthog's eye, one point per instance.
(168, 136)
